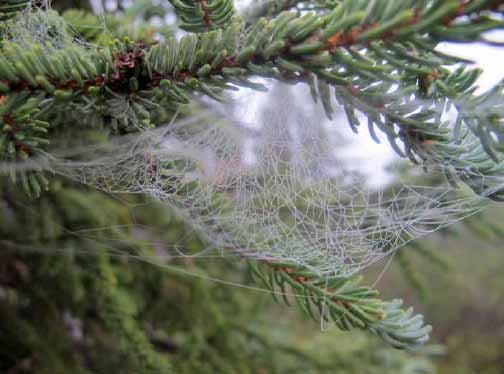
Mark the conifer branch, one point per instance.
(369, 57)
(346, 303)
(204, 15)
(349, 48)
(10, 8)
(119, 317)
(23, 136)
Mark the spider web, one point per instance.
(270, 183)
(275, 188)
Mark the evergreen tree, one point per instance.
(78, 286)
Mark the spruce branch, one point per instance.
(10, 8)
(204, 15)
(119, 317)
(22, 136)
(374, 57)
(370, 58)
(346, 303)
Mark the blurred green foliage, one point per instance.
(90, 283)
(461, 291)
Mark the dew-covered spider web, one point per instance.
(267, 179)
(274, 186)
